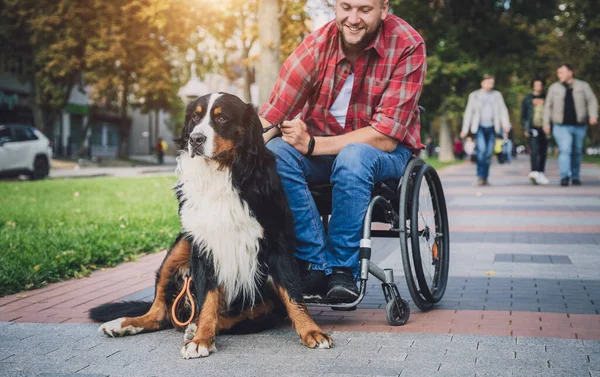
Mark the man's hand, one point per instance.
(593, 121)
(526, 133)
(294, 133)
(463, 135)
(547, 130)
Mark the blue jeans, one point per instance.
(353, 173)
(484, 140)
(570, 145)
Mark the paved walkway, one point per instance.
(523, 299)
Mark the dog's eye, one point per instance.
(195, 117)
(221, 119)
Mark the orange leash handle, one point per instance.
(184, 290)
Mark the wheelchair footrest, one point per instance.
(322, 301)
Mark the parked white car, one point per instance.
(24, 150)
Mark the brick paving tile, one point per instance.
(583, 229)
(499, 330)
(516, 212)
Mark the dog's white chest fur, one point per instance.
(216, 217)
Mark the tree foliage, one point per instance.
(130, 57)
(49, 37)
(516, 40)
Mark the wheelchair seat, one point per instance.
(389, 189)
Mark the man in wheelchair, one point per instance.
(353, 86)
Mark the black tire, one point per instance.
(397, 312)
(41, 168)
(406, 198)
(429, 234)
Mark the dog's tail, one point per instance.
(114, 310)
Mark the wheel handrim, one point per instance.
(427, 229)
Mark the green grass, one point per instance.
(438, 165)
(53, 230)
(592, 159)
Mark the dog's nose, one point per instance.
(197, 139)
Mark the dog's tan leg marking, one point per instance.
(204, 340)
(226, 322)
(310, 333)
(178, 258)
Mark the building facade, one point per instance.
(71, 133)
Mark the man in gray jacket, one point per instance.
(570, 105)
(486, 116)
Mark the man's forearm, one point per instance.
(332, 145)
(269, 134)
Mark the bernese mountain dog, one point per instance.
(236, 244)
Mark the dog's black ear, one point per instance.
(254, 129)
(252, 148)
(182, 140)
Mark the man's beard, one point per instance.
(366, 37)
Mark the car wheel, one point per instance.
(41, 168)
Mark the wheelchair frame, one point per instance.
(401, 221)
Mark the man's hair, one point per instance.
(537, 78)
(487, 76)
(567, 66)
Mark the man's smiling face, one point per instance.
(358, 20)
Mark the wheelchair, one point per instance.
(414, 207)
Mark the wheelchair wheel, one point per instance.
(429, 234)
(397, 312)
(424, 241)
(407, 185)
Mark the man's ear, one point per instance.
(385, 9)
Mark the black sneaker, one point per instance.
(564, 182)
(341, 286)
(576, 182)
(312, 282)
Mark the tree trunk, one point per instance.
(124, 126)
(82, 150)
(247, 85)
(156, 126)
(446, 154)
(38, 113)
(246, 75)
(269, 34)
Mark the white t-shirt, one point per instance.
(339, 109)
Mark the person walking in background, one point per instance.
(430, 147)
(570, 105)
(459, 150)
(161, 147)
(532, 120)
(486, 116)
(469, 147)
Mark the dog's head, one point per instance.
(221, 127)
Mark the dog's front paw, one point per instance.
(316, 339)
(115, 328)
(192, 350)
(190, 332)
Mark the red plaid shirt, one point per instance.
(388, 80)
